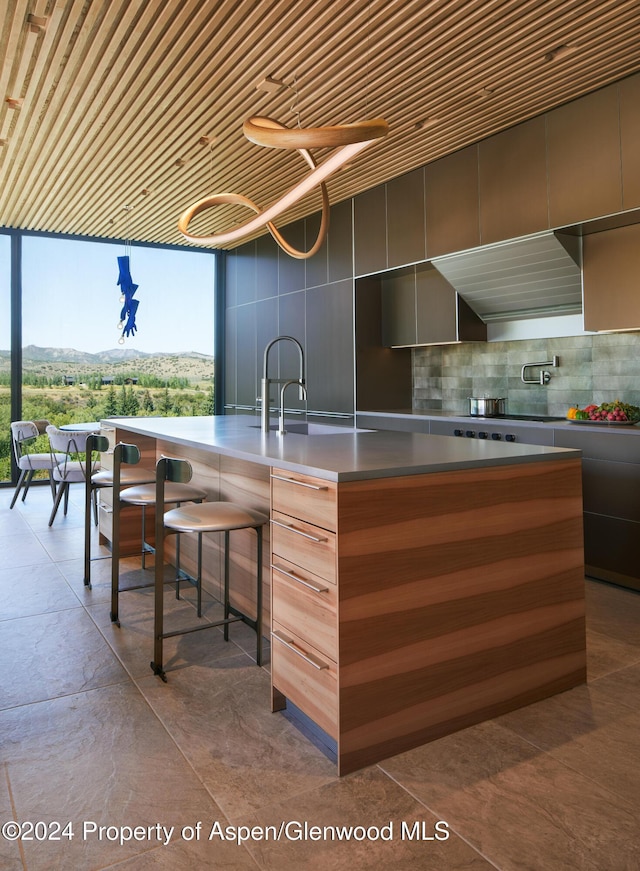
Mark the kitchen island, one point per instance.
(419, 584)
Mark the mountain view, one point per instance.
(64, 386)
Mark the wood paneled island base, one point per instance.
(460, 596)
(418, 583)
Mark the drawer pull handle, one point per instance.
(292, 528)
(299, 483)
(316, 663)
(302, 581)
(105, 509)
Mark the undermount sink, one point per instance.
(314, 429)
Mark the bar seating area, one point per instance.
(129, 485)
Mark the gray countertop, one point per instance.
(336, 453)
(556, 423)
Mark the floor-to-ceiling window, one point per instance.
(75, 363)
(5, 357)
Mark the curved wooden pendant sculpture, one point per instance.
(350, 140)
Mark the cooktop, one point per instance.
(540, 418)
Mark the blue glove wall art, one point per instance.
(130, 305)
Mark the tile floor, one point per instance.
(88, 736)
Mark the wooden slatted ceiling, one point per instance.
(115, 93)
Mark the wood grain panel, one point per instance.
(307, 605)
(304, 496)
(307, 546)
(312, 689)
(461, 596)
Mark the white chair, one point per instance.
(70, 469)
(23, 436)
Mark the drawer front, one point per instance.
(303, 496)
(306, 605)
(308, 679)
(309, 547)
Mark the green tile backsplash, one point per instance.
(593, 368)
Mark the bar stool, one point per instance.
(141, 495)
(95, 481)
(206, 517)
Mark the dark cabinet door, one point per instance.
(329, 348)
(451, 193)
(513, 183)
(436, 302)
(405, 219)
(610, 268)
(611, 488)
(370, 230)
(583, 140)
(399, 309)
(246, 358)
(630, 141)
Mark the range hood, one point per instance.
(532, 277)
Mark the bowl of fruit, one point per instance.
(607, 414)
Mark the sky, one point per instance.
(71, 298)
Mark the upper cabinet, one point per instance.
(513, 183)
(451, 191)
(611, 265)
(630, 141)
(405, 219)
(420, 307)
(370, 231)
(583, 139)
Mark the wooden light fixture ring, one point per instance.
(350, 139)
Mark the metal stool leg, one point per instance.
(259, 598)
(158, 603)
(115, 559)
(199, 577)
(227, 608)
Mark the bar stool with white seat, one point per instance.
(104, 479)
(199, 519)
(142, 496)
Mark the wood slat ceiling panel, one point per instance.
(115, 95)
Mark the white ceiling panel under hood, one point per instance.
(536, 276)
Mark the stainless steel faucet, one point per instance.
(544, 377)
(266, 381)
(303, 390)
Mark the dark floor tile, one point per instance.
(613, 612)
(22, 549)
(33, 590)
(220, 716)
(520, 807)
(98, 757)
(133, 639)
(389, 829)
(52, 655)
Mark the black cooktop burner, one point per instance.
(540, 418)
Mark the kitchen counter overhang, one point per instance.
(344, 455)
